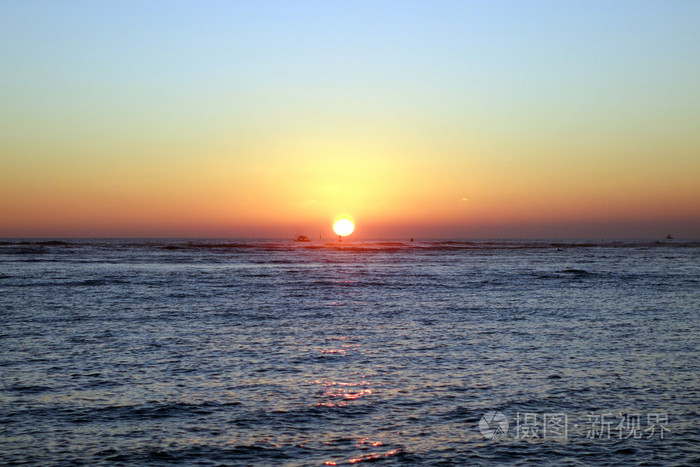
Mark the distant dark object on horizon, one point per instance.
(668, 237)
(302, 238)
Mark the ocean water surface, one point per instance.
(269, 352)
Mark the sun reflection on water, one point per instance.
(339, 393)
(374, 456)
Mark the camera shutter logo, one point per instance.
(493, 425)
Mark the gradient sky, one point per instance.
(426, 119)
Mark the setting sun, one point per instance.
(521, 177)
(343, 227)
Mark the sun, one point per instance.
(343, 227)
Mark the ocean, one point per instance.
(270, 352)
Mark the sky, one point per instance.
(440, 119)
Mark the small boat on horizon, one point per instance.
(668, 237)
(301, 238)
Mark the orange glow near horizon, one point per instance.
(465, 132)
(414, 182)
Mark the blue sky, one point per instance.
(546, 91)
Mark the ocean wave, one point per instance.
(29, 247)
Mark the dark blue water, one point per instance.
(268, 352)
